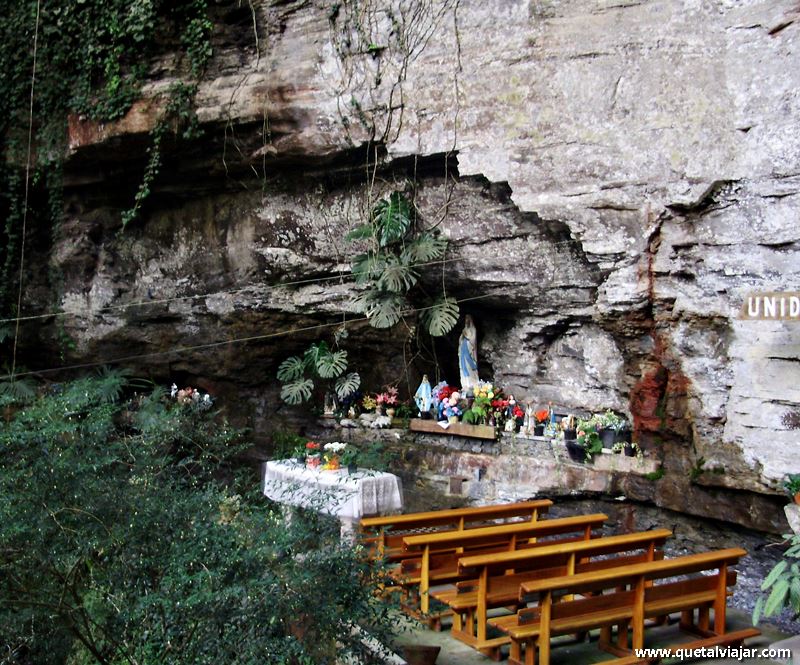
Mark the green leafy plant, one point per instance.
(298, 374)
(92, 58)
(792, 484)
(609, 420)
(698, 469)
(478, 412)
(391, 267)
(132, 532)
(658, 474)
(590, 440)
(782, 583)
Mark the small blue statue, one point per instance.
(423, 396)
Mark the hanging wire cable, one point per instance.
(237, 340)
(27, 189)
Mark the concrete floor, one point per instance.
(569, 653)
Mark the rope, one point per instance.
(27, 189)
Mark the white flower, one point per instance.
(335, 446)
(173, 391)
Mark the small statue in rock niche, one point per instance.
(423, 396)
(468, 355)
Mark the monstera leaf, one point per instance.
(367, 267)
(291, 369)
(441, 317)
(392, 219)
(297, 392)
(346, 385)
(397, 276)
(330, 365)
(424, 249)
(382, 308)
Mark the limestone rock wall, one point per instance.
(614, 178)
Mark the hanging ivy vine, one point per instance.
(92, 59)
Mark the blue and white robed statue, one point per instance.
(468, 355)
(423, 396)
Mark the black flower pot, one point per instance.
(570, 434)
(538, 430)
(576, 452)
(624, 436)
(630, 451)
(607, 436)
(352, 468)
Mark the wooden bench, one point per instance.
(499, 576)
(632, 597)
(437, 554)
(384, 535)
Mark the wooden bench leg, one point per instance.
(687, 619)
(530, 652)
(702, 618)
(622, 634)
(605, 635)
(515, 655)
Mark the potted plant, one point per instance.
(567, 425)
(792, 486)
(349, 458)
(588, 441)
(387, 400)
(333, 451)
(313, 458)
(630, 448)
(541, 417)
(299, 454)
(610, 427)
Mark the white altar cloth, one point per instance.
(347, 496)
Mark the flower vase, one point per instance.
(352, 469)
(313, 461)
(538, 430)
(452, 419)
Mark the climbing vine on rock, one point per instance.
(398, 250)
(92, 58)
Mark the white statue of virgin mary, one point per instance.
(468, 355)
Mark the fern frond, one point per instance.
(297, 392)
(441, 317)
(291, 369)
(346, 385)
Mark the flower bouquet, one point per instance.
(313, 459)
(387, 400)
(541, 416)
(331, 456)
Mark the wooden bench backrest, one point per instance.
(547, 556)
(504, 532)
(622, 597)
(456, 516)
(614, 577)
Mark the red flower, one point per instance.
(312, 446)
(541, 416)
(518, 413)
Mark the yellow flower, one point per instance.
(490, 395)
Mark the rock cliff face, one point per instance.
(614, 178)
